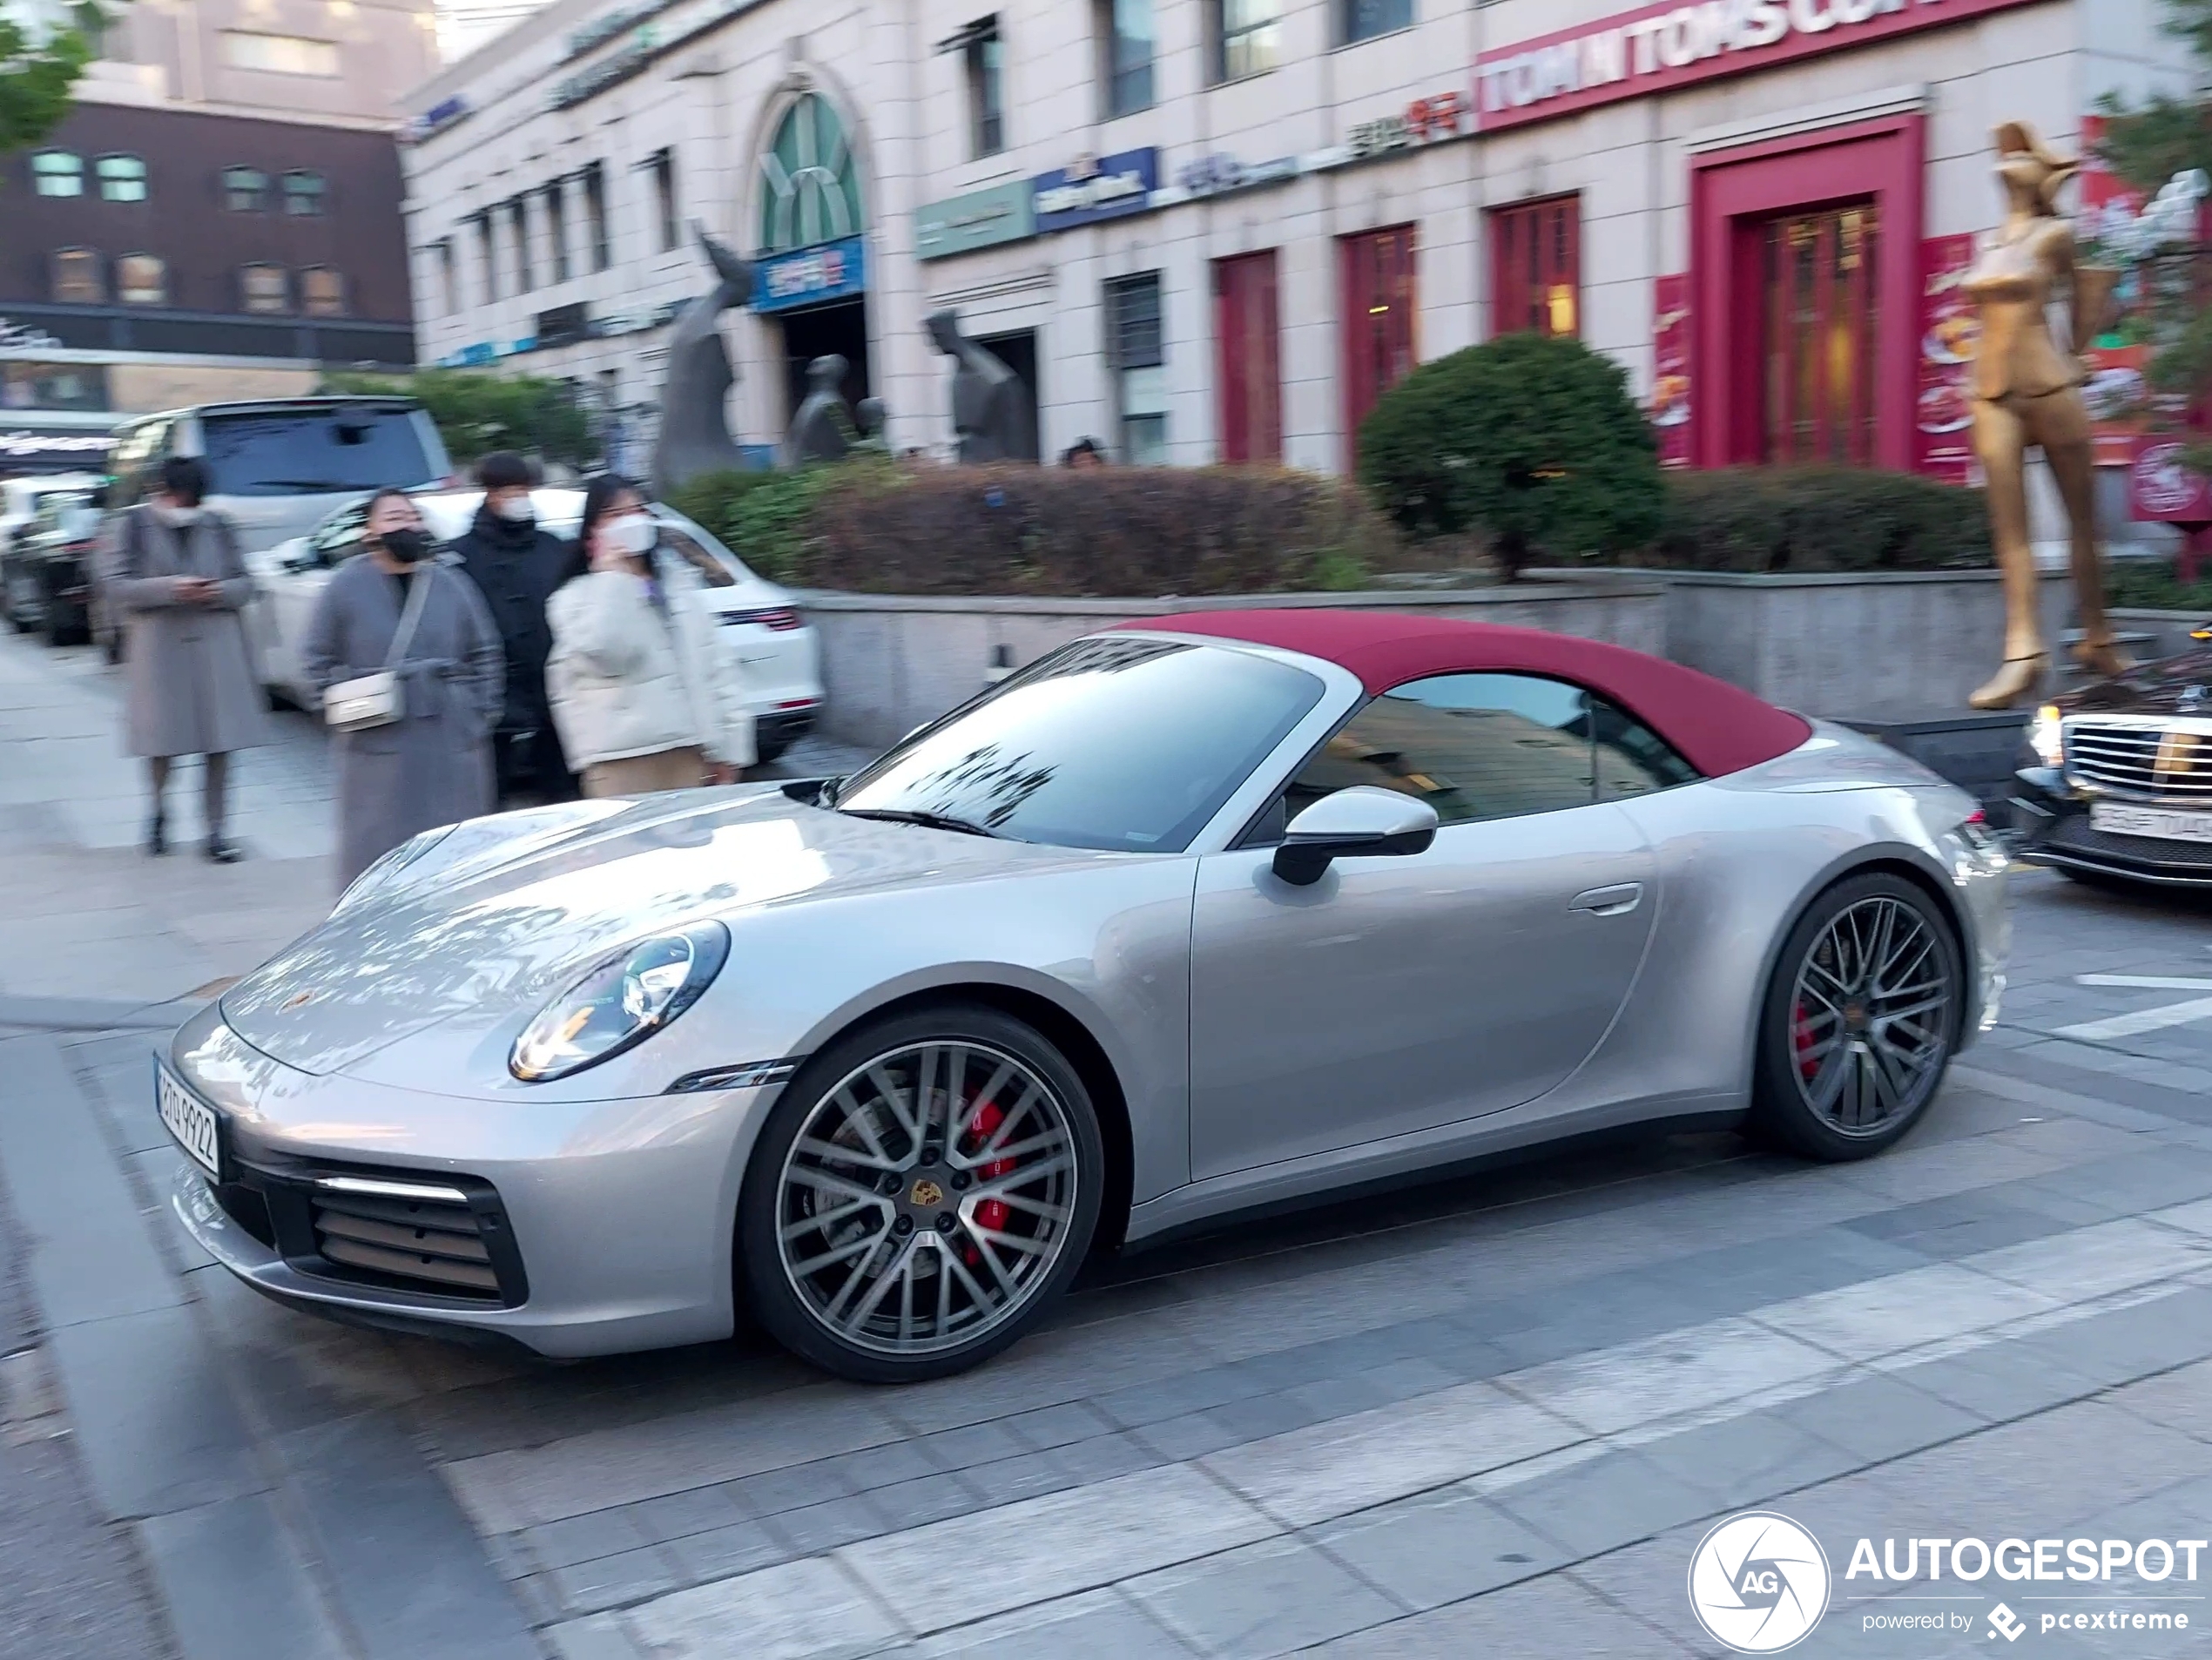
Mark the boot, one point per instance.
(157, 835)
(2017, 680)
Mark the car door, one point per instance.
(1401, 994)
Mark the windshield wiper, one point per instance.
(302, 484)
(928, 821)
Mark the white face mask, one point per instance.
(175, 517)
(634, 535)
(517, 509)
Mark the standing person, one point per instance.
(516, 565)
(175, 571)
(639, 687)
(433, 763)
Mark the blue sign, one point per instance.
(810, 276)
(1110, 187)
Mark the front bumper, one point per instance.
(572, 1229)
(2050, 825)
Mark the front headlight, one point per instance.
(2046, 736)
(620, 1003)
(387, 865)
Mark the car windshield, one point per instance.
(306, 452)
(1121, 743)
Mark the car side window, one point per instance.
(1478, 746)
(339, 537)
(711, 571)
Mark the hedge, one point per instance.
(874, 526)
(2154, 585)
(1818, 519)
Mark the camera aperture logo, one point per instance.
(1758, 1583)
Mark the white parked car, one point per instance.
(772, 642)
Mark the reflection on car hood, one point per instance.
(2174, 685)
(516, 929)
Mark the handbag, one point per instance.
(379, 699)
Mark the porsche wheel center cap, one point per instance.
(927, 1194)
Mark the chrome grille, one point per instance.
(2151, 759)
(429, 1245)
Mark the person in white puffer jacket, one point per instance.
(644, 694)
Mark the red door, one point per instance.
(1379, 311)
(1823, 317)
(1250, 373)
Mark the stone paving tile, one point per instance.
(1439, 1547)
(600, 1533)
(1268, 1598)
(2180, 1399)
(1882, 1418)
(799, 1611)
(612, 1581)
(1748, 1460)
(1605, 1502)
(700, 1510)
(1543, 1619)
(2003, 1381)
(1094, 1625)
(721, 1552)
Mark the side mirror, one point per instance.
(1362, 822)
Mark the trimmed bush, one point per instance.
(1533, 440)
(1819, 519)
(2154, 585)
(476, 413)
(870, 526)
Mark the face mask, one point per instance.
(175, 517)
(407, 546)
(634, 535)
(515, 510)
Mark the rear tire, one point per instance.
(1860, 1020)
(921, 1194)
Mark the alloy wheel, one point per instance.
(1870, 1017)
(927, 1197)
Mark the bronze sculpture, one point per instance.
(991, 413)
(694, 426)
(820, 431)
(2027, 392)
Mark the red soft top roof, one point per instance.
(1718, 727)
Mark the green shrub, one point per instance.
(2154, 585)
(871, 526)
(1533, 440)
(477, 413)
(1819, 519)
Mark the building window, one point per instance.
(449, 275)
(76, 278)
(665, 210)
(1537, 268)
(1364, 19)
(123, 178)
(322, 291)
(1820, 317)
(142, 279)
(556, 227)
(245, 189)
(279, 54)
(1135, 347)
(56, 173)
(1126, 35)
(303, 195)
(487, 256)
(985, 57)
(1381, 311)
(595, 216)
(518, 218)
(1247, 37)
(812, 190)
(1247, 332)
(264, 289)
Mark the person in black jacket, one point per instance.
(516, 565)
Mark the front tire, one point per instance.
(922, 1192)
(1860, 1020)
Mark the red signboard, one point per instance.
(1665, 47)
(1944, 415)
(2117, 359)
(2160, 490)
(1670, 369)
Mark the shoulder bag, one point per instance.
(379, 699)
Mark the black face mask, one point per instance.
(408, 547)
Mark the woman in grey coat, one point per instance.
(433, 765)
(175, 572)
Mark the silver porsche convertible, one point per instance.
(1229, 911)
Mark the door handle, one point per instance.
(1616, 900)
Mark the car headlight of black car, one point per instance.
(2046, 736)
(620, 1003)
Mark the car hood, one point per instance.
(527, 902)
(2173, 685)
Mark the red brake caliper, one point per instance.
(1801, 1033)
(989, 1213)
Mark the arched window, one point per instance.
(322, 291)
(123, 178)
(77, 278)
(303, 194)
(142, 279)
(264, 289)
(811, 191)
(245, 189)
(56, 173)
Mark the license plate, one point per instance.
(2166, 824)
(190, 1120)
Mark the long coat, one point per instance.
(191, 689)
(433, 765)
(517, 567)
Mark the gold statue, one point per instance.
(2027, 391)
